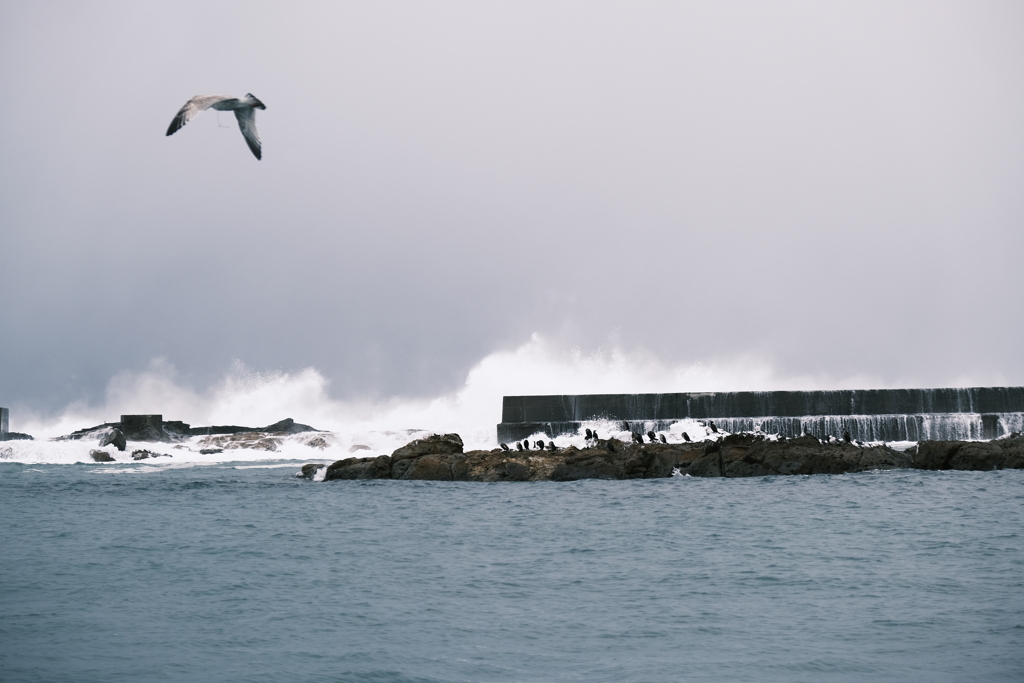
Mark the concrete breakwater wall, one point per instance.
(868, 415)
(4, 423)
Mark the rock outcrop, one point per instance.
(113, 437)
(288, 426)
(441, 458)
(18, 436)
(145, 454)
(154, 428)
(744, 455)
(999, 454)
(309, 471)
(100, 456)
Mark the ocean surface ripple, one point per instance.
(228, 572)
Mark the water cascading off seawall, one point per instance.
(868, 415)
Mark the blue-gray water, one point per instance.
(214, 573)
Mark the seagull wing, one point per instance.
(247, 124)
(193, 107)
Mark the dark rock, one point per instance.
(593, 463)
(746, 455)
(359, 468)
(431, 467)
(144, 454)
(935, 455)
(318, 442)
(288, 426)
(175, 430)
(96, 432)
(999, 454)
(100, 456)
(309, 471)
(18, 436)
(210, 451)
(500, 466)
(114, 437)
(436, 444)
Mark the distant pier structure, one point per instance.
(868, 415)
(5, 416)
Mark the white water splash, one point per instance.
(244, 396)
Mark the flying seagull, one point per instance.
(244, 108)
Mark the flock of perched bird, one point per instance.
(592, 439)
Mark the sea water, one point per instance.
(244, 572)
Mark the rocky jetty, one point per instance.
(441, 458)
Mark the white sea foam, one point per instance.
(245, 396)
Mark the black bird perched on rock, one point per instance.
(686, 437)
(662, 437)
(846, 437)
(637, 438)
(713, 427)
(651, 436)
(504, 446)
(519, 445)
(596, 437)
(590, 434)
(540, 445)
(552, 446)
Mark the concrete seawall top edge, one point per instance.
(701, 405)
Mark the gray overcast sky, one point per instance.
(837, 187)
